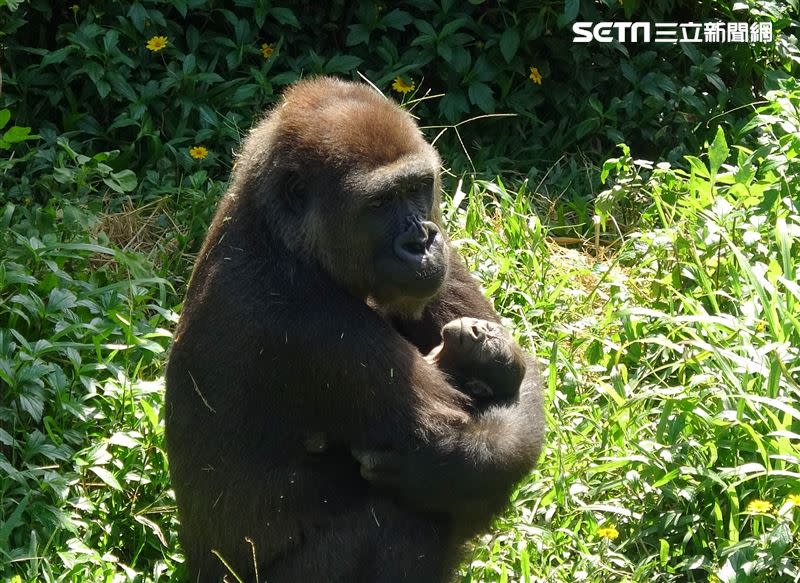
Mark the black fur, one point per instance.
(275, 344)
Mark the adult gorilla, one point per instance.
(309, 438)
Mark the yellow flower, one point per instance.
(157, 43)
(401, 86)
(761, 506)
(198, 152)
(535, 76)
(74, 8)
(267, 50)
(609, 532)
(794, 499)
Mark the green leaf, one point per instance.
(453, 105)
(192, 39)
(608, 166)
(594, 353)
(359, 33)
(483, 70)
(571, 8)
(244, 92)
(697, 166)
(137, 14)
(718, 152)
(122, 181)
(125, 439)
(285, 16)
(121, 86)
(586, 127)
(57, 56)
(452, 26)
(285, 78)
(32, 401)
(16, 134)
(180, 6)
(110, 40)
(397, 19)
(342, 64)
(5, 115)
(103, 88)
(189, 64)
(107, 477)
(14, 519)
(509, 43)
(481, 95)
(663, 551)
(779, 540)
(425, 28)
(460, 60)
(208, 77)
(60, 300)
(445, 51)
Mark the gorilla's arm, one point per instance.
(342, 371)
(473, 470)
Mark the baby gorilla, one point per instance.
(481, 359)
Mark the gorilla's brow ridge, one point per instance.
(408, 171)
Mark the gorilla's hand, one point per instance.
(481, 358)
(423, 480)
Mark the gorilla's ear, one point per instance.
(292, 193)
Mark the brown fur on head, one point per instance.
(317, 155)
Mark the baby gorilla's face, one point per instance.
(481, 357)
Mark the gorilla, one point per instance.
(342, 403)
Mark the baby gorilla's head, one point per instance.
(481, 358)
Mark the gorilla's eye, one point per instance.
(376, 203)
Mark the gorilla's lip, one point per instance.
(421, 282)
(417, 279)
(429, 267)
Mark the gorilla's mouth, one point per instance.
(416, 276)
(423, 282)
(425, 270)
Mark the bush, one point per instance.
(86, 69)
(670, 344)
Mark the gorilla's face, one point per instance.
(407, 249)
(353, 187)
(381, 238)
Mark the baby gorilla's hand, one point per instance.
(481, 358)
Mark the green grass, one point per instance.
(672, 367)
(669, 345)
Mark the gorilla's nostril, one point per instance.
(431, 237)
(412, 244)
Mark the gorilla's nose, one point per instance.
(415, 240)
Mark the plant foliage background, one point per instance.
(658, 286)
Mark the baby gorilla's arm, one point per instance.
(481, 358)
